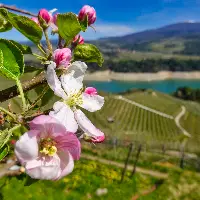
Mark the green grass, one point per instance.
(181, 185)
(81, 184)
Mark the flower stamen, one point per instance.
(47, 147)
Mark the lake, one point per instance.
(166, 86)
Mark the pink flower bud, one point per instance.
(91, 91)
(87, 11)
(62, 57)
(78, 39)
(45, 15)
(35, 19)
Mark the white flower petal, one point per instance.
(86, 125)
(92, 103)
(65, 116)
(70, 84)
(54, 82)
(66, 164)
(79, 68)
(26, 148)
(44, 168)
(72, 81)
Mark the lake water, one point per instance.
(166, 86)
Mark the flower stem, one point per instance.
(39, 56)
(15, 128)
(8, 113)
(21, 92)
(41, 49)
(48, 41)
(38, 99)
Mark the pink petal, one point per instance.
(69, 143)
(91, 91)
(26, 148)
(48, 126)
(66, 164)
(44, 168)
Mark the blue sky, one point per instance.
(118, 17)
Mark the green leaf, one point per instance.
(24, 25)
(29, 181)
(4, 25)
(4, 137)
(24, 48)
(4, 151)
(88, 53)
(11, 60)
(84, 24)
(68, 26)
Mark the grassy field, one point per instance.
(87, 177)
(181, 185)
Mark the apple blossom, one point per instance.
(45, 15)
(78, 39)
(87, 11)
(62, 57)
(47, 150)
(70, 89)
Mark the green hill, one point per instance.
(149, 117)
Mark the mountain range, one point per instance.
(179, 38)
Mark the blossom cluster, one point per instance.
(49, 148)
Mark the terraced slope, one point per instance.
(140, 121)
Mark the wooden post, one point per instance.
(163, 149)
(182, 157)
(136, 160)
(126, 162)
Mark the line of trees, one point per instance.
(152, 65)
(187, 93)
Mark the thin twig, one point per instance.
(13, 8)
(38, 98)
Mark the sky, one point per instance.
(117, 17)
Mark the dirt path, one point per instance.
(146, 192)
(156, 174)
(145, 107)
(177, 121)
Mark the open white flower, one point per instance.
(70, 89)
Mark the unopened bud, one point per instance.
(78, 39)
(62, 57)
(87, 11)
(45, 15)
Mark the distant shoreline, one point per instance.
(159, 76)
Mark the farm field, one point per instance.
(132, 122)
